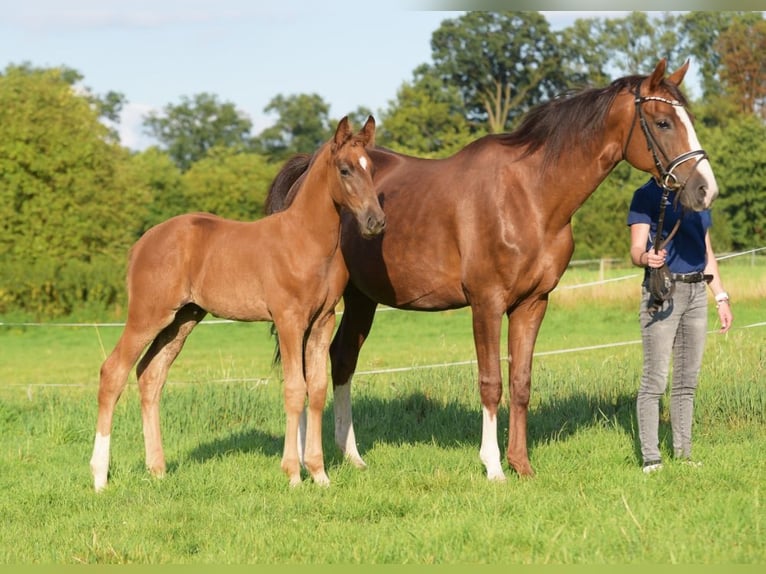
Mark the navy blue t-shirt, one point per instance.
(686, 250)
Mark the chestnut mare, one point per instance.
(490, 227)
(283, 268)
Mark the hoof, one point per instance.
(496, 476)
(321, 479)
(356, 461)
(295, 481)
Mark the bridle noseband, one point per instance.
(668, 179)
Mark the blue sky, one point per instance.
(243, 51)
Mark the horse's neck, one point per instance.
(313, 208)
(575, 178)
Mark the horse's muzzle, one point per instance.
(373, 225)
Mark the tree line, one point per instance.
(74, 199)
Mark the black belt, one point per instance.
(695, 277)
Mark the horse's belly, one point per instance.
(412, 291)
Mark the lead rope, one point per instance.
(658, 242)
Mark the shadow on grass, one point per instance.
(417, 418)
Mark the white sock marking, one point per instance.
(490, 451)
(99, 462)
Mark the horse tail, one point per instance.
(277, 358)
(283, 189)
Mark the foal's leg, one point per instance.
(523, 325)
(355, 325)
(113, 378)
(486, 334)
(317, 346)
(152, 373)
(291, 333)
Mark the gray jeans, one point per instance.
(678, 331)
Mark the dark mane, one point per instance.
(572, 119)
(290, 172)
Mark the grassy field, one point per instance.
(424, 498)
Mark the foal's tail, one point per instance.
(282, 191)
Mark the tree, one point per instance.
(188, 130)
(229, 183)
(699, 33)
(583, 55)
(742, 50)
(161, 181)
(738, 156)
(426, 119)
(501, 62)
(68, 205)
(303, 124)
(635, 43)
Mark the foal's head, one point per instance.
(351, 173)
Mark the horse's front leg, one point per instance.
(316, 353)
(291, 350)
(486, 334)
(355, 325)
(523, 325)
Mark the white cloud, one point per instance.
(131, 128)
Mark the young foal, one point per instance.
(283, 268)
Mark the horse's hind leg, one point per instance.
(112, 381)
(291, 343)
(317, 346)
(152, 372)
(355, 325)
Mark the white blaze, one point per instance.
(704, 168)
(363, 163)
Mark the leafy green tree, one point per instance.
(698, 34)
(634, 43)
(426, 119)
(303, 124)
(161, 181)
(68, 204)
(738, 155)
(583, 55)
(229, 183)
(502, 63)
(188, 130)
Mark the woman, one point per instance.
(676, 327)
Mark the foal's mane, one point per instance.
(573, 119)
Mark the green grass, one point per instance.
(424, 498)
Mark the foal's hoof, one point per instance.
(295, 481)
(321, 479)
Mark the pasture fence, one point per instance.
(603, 264)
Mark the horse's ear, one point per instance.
(342, 133)
(368, 132)
(678, 76)
(655, 79)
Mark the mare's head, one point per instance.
(661, 139)
(352, 170)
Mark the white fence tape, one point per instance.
(388, 370)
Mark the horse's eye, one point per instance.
(345, 172)
(663, 124)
